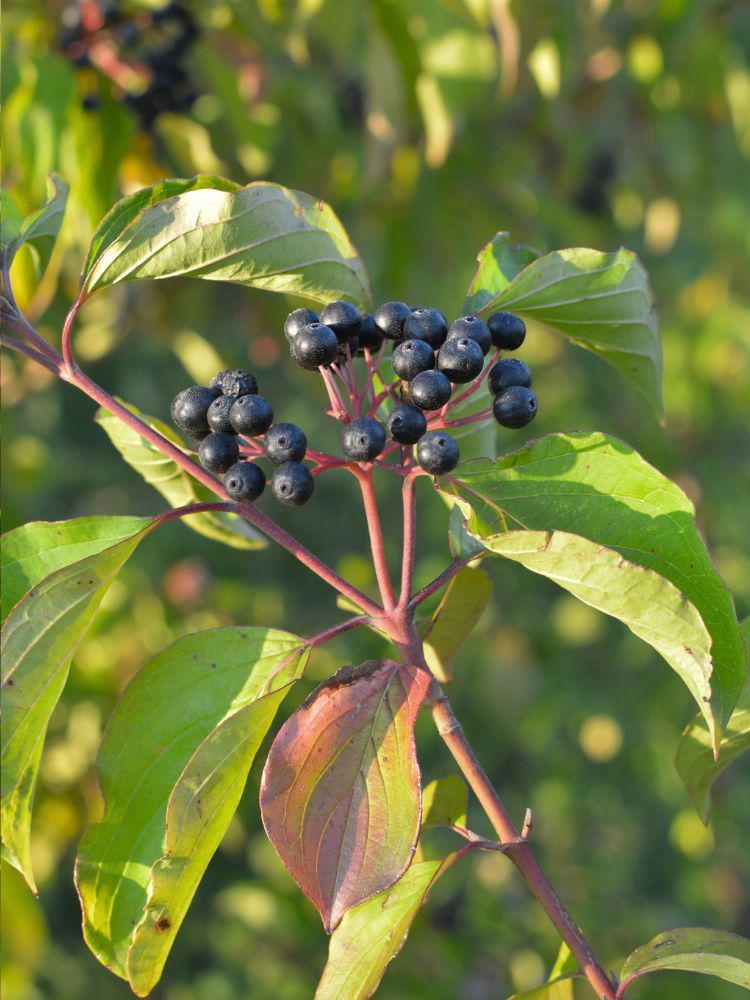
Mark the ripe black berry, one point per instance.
(363, 439)
(430, 390)
(426, 324)
(412, 357)
(285, 443)
(509, 371)
(315, 345)
(343, 318)
(515, 406)
(217, 452)
(235, 382)
(474, 327)
(190, 408)
(297, 319)
(390, 319)
(406, 424)
(244, 481)
(251, 415)
(369, 336)
(292, 483)
(437, 452)
(508, 331)
(461, 359)
(218, 414)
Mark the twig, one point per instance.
(364, 478)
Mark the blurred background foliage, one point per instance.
(429, 125)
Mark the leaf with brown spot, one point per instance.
(340, 795)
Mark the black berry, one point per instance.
(437, 452)
(297, 319)
(218, 414)
(370, 338)
(474, 327)
(315, 345)
(347, 349)
(461, 359)
(508, 331)
(390, 319)
(189, 408)
(426, 324)
(292, 483)
(430, 390)
(244, 481)
(251, 415)
(218, 452)
(509, 371)
(343, 318)
(363, 439)
(285, 443)
(235, 382)
(406, 424)
(412, 357)
(515, 406)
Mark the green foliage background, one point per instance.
(428, 126)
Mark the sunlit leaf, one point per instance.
(454, 619)
(340, 792)
(39, 230)
(499, 263)
(444, 802)
(263, 235)
(172, 766)
(39, 638)
(692, 949)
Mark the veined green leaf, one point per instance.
(172, 766)
(38, 548)
(40, 229)
(454, 619)
(38, 642)
(599, 301)
(692, 949)
(174, 483)
(444, 802)
(599, 488)
(263, 235)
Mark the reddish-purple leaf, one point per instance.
(340, 795)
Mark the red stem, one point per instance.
(440, 581)
(369, 500)
(30, 352)
(408, 492)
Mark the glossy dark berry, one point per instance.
(363, 439)
(437, 452)
(189, 408)
(390, 319)
(474, 327)
(244, 481)
(235, 382)
(515, 406)
(343, 318)
(508, 331)
(218, 414)
(461, 359)
(509, 371)
(426, 324)
(292, 483)
(285, 443)
(406, 424)
(297, 319)
(218, 452)
(251, 415)
(315, 345)
(430, 390)
(369, 336)
(412, 357)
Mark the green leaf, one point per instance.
(340, 791)
(500, 261)
(692, 949)
(371, 934)
(262, 235)
(462, 544)
(10, 222)
(174, 484)
(34, 550)
(454, 619)
(599, 301)
(557, 989)
(172, 766)
(444, 802)
(40, 229)
(38, 642)
(597, 487)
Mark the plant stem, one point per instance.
(41, 359)
(408, 491)
(364, 478)
(440, 581)
(336, 630)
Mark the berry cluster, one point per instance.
(229, 409)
